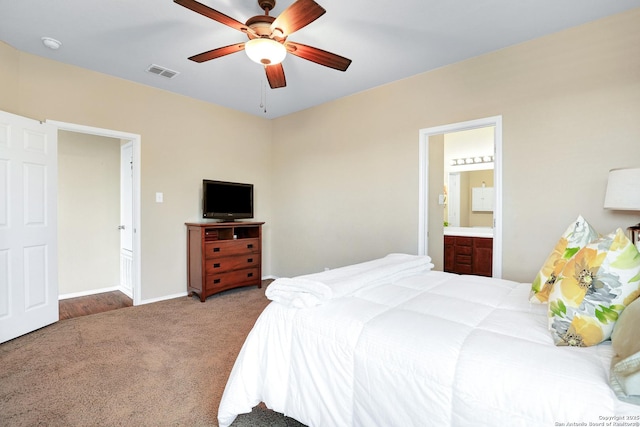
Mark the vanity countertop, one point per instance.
(469, 231)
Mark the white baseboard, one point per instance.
(127, 292)
(163, 298)
(121, 289)
(184, 294)
(90, 292)
(130, 295)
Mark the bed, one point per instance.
(390, 342)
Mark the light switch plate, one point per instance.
(159, 197)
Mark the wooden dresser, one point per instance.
(223, 255)
(468, 255)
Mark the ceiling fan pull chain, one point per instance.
(264, 91)
(261, 100)
(263, 96)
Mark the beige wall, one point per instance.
(88, 212)
(183, 141)
(465, 199)
(346, 172)
(9, 66)
(338, 183)
(476, 179)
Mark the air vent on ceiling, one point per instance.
(162, 71)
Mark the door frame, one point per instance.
(423, 196)
(136, 140)
(453, 198)
(126, 217)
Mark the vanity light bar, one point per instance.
(472, 160)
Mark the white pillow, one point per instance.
(625, 366)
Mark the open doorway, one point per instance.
(434, 181)
(99, 219)
(88, 193)
(468, 178)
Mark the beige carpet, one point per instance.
(160, 364)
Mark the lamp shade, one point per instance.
(623, 189)
(265, 51)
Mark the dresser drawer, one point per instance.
(232, 279)
(464, 241)
(464, 269)
(463, 250)
(463, 259)
(231, 247)
(219, 265)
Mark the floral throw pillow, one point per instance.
(577, 235)
(592, 290)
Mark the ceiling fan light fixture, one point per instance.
(265, 51)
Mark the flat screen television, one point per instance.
(226, 200)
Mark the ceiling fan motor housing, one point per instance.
(261, 24)
(267, 5)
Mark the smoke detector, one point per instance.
(51, 43)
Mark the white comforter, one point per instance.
(430, 349)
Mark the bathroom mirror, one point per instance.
(473, 205)
(469, 178)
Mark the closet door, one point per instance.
(28, 225)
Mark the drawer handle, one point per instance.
(250, 260)
(250, 246)
(216, 281)
(216, 249)
(216, 265)
(250, 275)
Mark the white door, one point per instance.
(454, 200)
(28, 225)
(126, 218)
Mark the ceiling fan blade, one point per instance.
(298, 15)
(213, 14)
(318, 56)
(217, 53)
(275, 75)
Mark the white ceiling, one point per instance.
(386, 40)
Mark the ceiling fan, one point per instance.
(268, 44)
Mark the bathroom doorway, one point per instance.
(435, 188)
